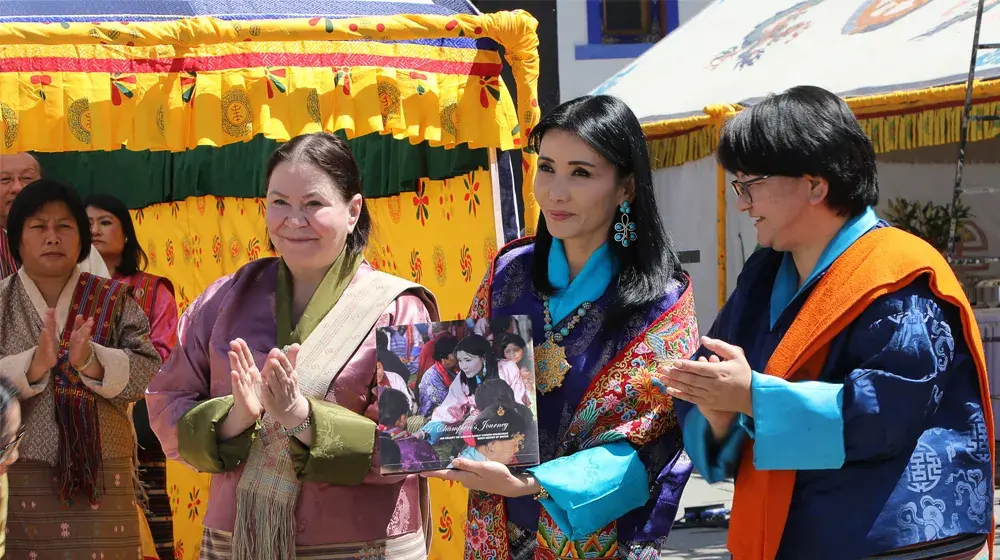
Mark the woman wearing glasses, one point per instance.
(844, 378)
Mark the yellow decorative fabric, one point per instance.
(202, 81)
(418, 92)
(895, 121)
(449, 504)
(442, 236)
(145, 537)
(188, 493)
(517, 34)
(198, 240)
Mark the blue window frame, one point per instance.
(647, 22)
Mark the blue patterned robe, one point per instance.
(890, 449)
(432, 390)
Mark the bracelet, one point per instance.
(88, 361)
(542, 494)
(298, 429)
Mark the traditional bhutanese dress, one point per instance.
(434, 386)
(872, 430)
(415, 454)
(609, 441)
(73, 489)
(344, 507)
(156, 298)
(407, 347)
(425, 360)
(155, 295)
(458, 402)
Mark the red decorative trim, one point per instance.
(247, 60)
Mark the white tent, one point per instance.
(902, 66)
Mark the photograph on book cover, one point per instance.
(456, 389)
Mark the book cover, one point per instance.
(456, 389)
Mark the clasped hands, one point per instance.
(274, 390)
(718, 385)
(46, 354)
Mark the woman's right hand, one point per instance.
(46, 354)
(719, 421)
(246, 382)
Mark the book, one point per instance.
(455, 389)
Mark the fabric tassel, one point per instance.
(79, 437)
(141, 496)
(80, 448)
(276, 538)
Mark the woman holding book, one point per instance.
(270, 388)
(608, 301)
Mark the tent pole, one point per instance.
(720, 114)
(963, 137)
(498, 200)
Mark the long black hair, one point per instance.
(648, 264)
(480, 347)
(392, 405)
(134, 259)
(444, 347)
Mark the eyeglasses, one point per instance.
(742, 188)
(9, 448)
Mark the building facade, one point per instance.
(597, 38)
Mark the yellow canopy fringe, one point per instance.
(896, 121)
(681, 147)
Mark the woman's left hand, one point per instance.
(279, 392)
(487, 476)
(80, 349)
